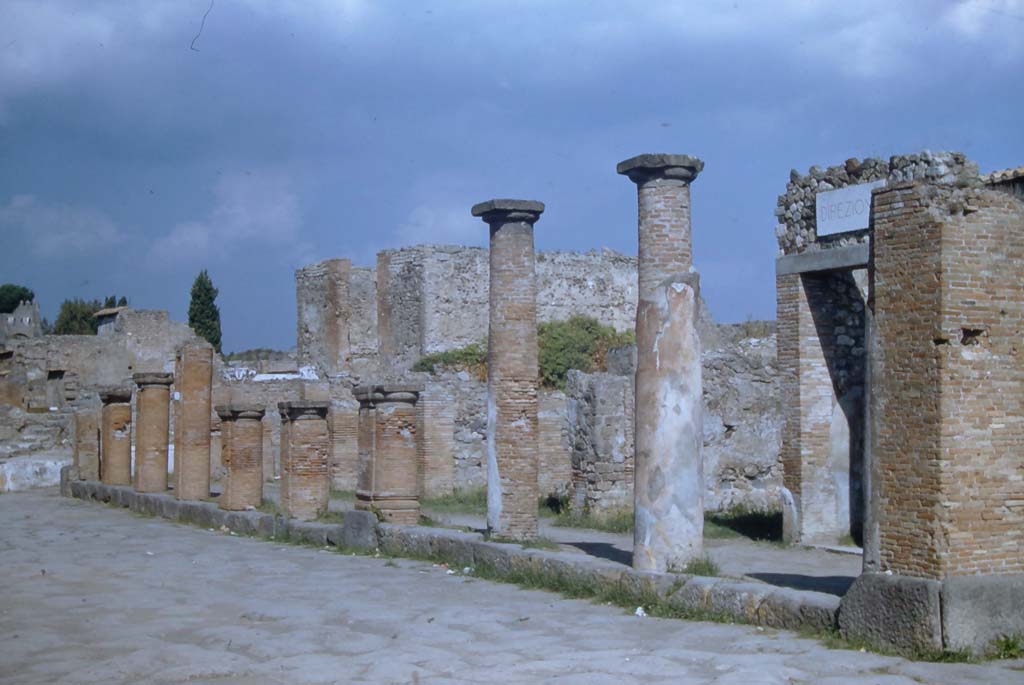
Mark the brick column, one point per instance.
(116, 437)
(669, 470)
(388, 478)
(305, 445)
(86, 455)
(192, 429)
(243, 455)
(512, 438)
(152, 430)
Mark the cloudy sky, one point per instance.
(134, 153)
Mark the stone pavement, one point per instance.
(92, 594)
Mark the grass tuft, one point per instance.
(703, 566)
(468, 501)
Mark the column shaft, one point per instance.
(512, 429)
(669, 470)
(192, 432)
(151, 435)
(116, 438)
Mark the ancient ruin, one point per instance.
(194, 371)
(86, 454)
(152, 429)
(886, 420)
(668, 466)
(116, 437)
(389, 452)
(305, 443)
(512, 459)
(242, 456)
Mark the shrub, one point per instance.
(472, 358)
(579, 342)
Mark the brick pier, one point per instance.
(305, 445)
(242, 455)
(389, 452)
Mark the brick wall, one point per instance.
(948, 380)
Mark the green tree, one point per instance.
(123, 302)
(76, 317)
(111, 301)
(203, 313)
(11, 295)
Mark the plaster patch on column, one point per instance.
(493, 475)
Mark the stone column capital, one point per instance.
(115, 395)
(503, 211)
(307, 409)
(659, 166)
(145, 379)
(233, 412)
(370, 395)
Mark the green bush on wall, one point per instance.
(580, 342)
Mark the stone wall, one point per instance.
(431, 298)
(796, 213)
(742, 425)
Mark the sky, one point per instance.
(140, 143)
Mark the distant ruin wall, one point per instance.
(742, 425)
(430, 298)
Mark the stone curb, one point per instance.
(723, 598)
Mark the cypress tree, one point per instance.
(203, 313)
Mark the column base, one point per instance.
(921, 615)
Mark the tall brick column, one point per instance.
(305, 446)
(669, 475)
(86, 455)
(116, 436)
(242, 424)
(947, 421)
(512, 429)
(152, 430)
(192, 427)
(389, 452)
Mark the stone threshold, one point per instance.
(741, 601)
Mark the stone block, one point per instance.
(169, 508)
(312, 533)
(694, 594)
(359, 531)
(738, 599)
(794, 609)
(894, 611)
(976, 610)
(493, 555)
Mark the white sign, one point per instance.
(845, 209)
